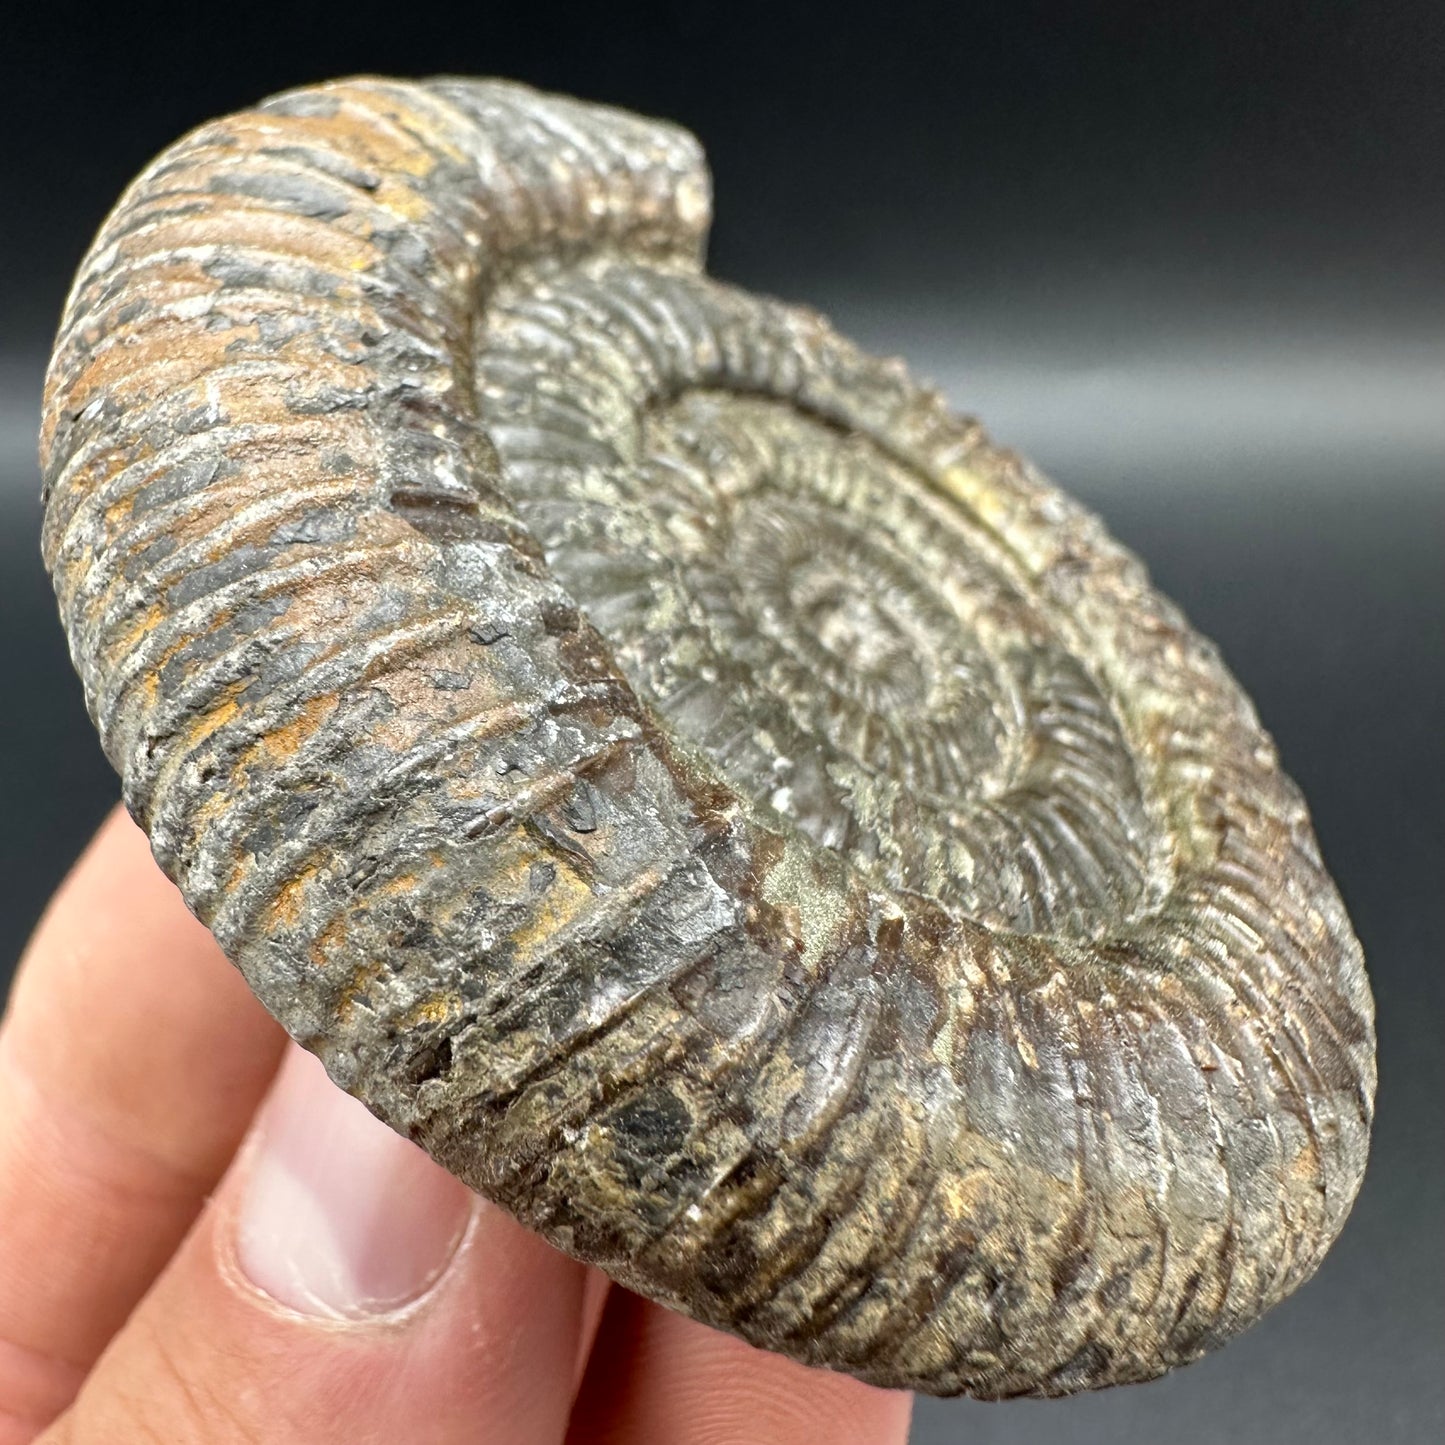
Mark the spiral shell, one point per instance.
(721, 807)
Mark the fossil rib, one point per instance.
(728, 812)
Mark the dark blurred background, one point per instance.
(1188, 256)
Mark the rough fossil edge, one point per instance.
(1029, 1164)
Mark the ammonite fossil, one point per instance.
(728, 812)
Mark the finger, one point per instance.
(594, 1302)
(342, 1288)
(132, 1057)
(657, 1376)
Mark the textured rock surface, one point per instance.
(718, 804)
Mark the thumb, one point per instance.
(341, 1287)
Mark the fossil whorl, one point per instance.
(725, 810)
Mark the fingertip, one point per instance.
(338, 1216)
(131, 1059)
(657, 1375)
(341, 1286)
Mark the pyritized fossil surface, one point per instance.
(727, 811)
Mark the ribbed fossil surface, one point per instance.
(728, 812)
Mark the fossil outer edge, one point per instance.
(420, 512)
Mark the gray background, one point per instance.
(1187, 257)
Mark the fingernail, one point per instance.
(339, 1216)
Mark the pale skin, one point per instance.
(204, 1241)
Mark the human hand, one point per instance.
(202, 1240)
